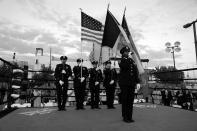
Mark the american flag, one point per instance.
(91, 29)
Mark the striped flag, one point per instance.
(133, 48)
(91, 56)
(91, 29)
(125, 39)
(126, 28)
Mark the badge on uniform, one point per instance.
(63, 72)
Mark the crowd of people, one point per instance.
(182, 98)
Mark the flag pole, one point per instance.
(100, 58)
(109, 52)
(93, 51)
(108, 6)
(50, 60)
(124, 10)
(118, 38)
(81, 52)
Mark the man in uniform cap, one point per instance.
(94, 85)
(80, 75)
(128, 79)
(62, 73)
(110, 79)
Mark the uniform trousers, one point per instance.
(79, 89)
(61, 95)
(110, 90)
(94, 90)
(127, 98)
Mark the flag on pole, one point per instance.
(125, 27)
(125, 39)
(91, 29)
(136, 55)
(91, 56)
(111, 30)
(110, 35)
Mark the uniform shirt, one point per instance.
(95, 75)
(62, 72)
(77, 72)
(110, 74)
(128, 72)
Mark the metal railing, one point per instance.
(185, 86)
(49, 92)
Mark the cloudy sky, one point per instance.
(29, 24)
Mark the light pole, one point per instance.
(194, 30)
(171, 49)
(14, 56)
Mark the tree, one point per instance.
(6, 71)
(168, 74)
(43, 77)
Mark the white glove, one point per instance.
(130, 54)
(138, 87)
(82, 79)
(98, 68)
(63, 72)
(61, 82)
(111, 82)
(96, 83)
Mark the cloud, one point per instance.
(47, 38)
(156, 57)
(18, 32)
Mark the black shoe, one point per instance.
(131, 120)
(98, 108)
(59, 109)
(77, 108)
(92, 107)
(63, 109)
(113, 107)
(128, 121)
(82, 108)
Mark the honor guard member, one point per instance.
(80, 75)
(62, 73)
(128, 79)
(110, 79)
(94, 85)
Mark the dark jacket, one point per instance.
(95, 75)
(128, 72)
(110, 74)
(77, 73)
(58, 72)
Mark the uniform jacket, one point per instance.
(58, 72)
(95, 75)
(77, 73)
(110, 74)
(128, 72)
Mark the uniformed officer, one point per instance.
(94, 85)
(62, 73)
(110, 79)
(128, 79)
(80, 75)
